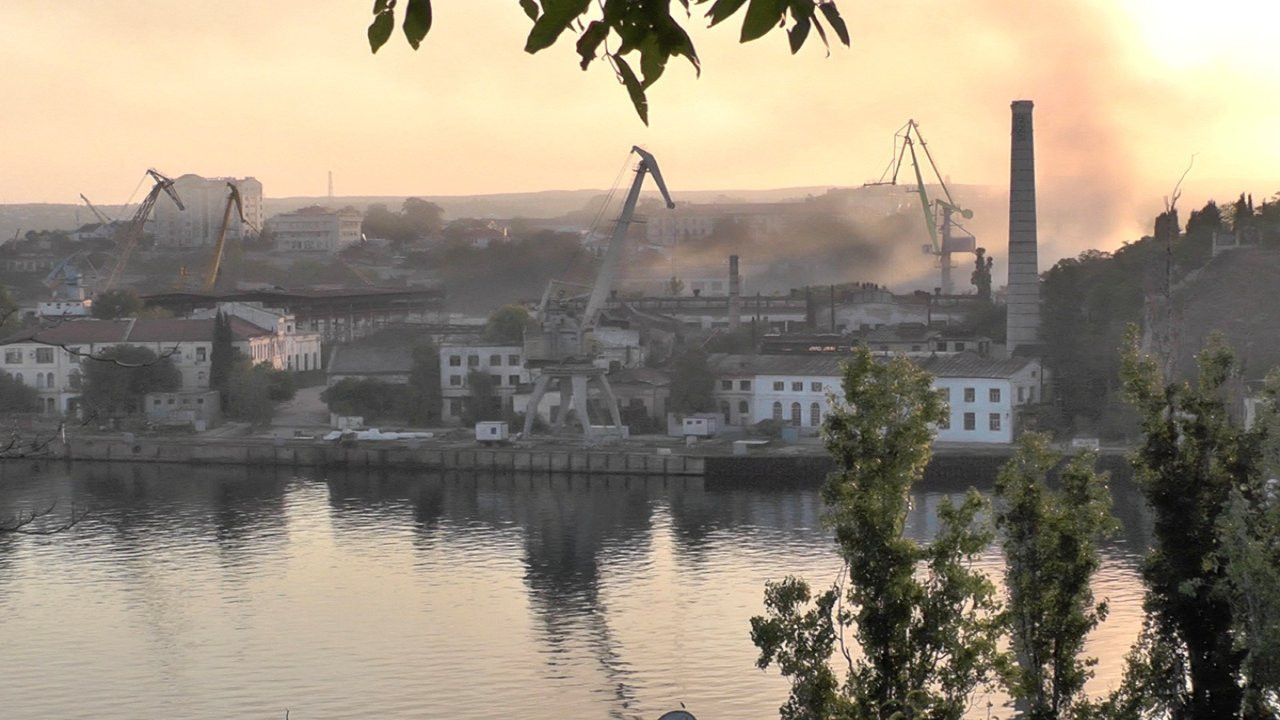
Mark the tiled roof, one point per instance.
(137, 330)
(360, 359)
(966, 365)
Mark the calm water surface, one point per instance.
(234, 593)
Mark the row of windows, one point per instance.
(796, 386)
(13, 356)
(43, 380)
(728, 384)
(971, 394)
(971, 422)
(458, 380)
(495, 360)
(797, 413)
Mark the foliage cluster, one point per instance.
(624, 28)
(417, 219)
(116, 379)
(17, 396)
(692, 383)
(925, 619)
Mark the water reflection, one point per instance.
(228, 591)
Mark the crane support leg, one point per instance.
(612, 401)
(531, 410)
(566, 397)
(580, 403)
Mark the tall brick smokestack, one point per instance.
(735, 294)
(1023, 324)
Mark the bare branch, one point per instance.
(22, 522)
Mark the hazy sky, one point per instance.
(1125, 91)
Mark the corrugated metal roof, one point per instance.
(139, 330)
(967, 364)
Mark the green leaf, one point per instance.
(679, 43)
(530, 8)
(798, 33)
(762, 16)
(832, 13)
(653, 59)
(557, 16)
(723, 9)
(417, 21)
(634, 88)
(379, 7)
(590, 39)
(380, 30)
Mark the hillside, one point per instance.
(1232, 295)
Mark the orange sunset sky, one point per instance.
(1126, 91)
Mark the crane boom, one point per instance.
(128, 237)
(609, 266)
(102, 217)
(215, 264)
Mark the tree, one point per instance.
(424, 396)
(628, 28)
(926, 621)
(370, 399)
(505, 325)
(221, 355)
(1190, 460)
(17, 396)
(482, 401)
(114, 304)
(692, 383)
(1051, 552)
(116, 379)
(422, 217)
(249, 390)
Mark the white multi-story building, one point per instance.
(316, 229)
(52, 359)
(205, 200)
(982, 394)
(503, 363)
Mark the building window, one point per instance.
(513, 360)
(200, 354)
(946, 394)
(945, 422)
(726, 384)
(815, 414)
(156, 402)
(815, 387)
(455, 380)
(473, 361)
(993, 421)
(795, 414)
(44, 355)
(200, 376)
(777, 407)
(915, 348)
(455, 361)
(495, 359)
(970, 421)
(513, 380)
(797, 387)
(455, 407)
(12, 357)
(744, 384)
(942, 347)
(970, 395)
(994, 395)
(18, 377)
(743, 408)
(724, 409)
(959, 346)
(1021, 395)
(779, 386)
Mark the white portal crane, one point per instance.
(562, 347)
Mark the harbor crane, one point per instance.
(946, 236)
(102, 217)
(562, 347)
(215, 263)
(128, 236)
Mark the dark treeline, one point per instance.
(1089, 300)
